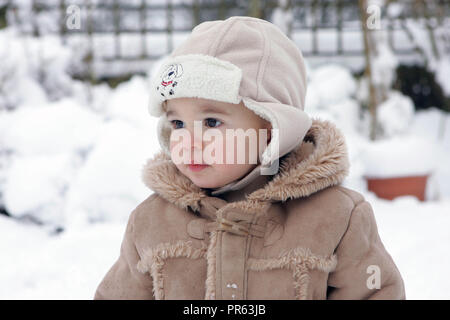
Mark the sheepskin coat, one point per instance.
(301, 236)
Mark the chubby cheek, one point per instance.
(177, 150)
(241, 154)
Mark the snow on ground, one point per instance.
(416, 236)
(65, 266)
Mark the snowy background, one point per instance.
(71, 155)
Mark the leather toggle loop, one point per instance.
(238, 228)
(232, 227)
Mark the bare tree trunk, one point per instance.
(368, 71)
(254, 9)
(222, 10)
(89, 59)
(195, 13)
(169, 17)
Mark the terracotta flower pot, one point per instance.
(390, 188)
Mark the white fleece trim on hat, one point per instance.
(194, 76)
(163, 132)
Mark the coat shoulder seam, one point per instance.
(355, 203)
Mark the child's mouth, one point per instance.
(198, 167)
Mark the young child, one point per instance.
(282, 227)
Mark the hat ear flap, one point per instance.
(163, 131)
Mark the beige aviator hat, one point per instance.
(238, 59)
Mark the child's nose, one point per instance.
(195, 142)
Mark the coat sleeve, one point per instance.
(364, 270)
(123, 280)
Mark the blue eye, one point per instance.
(170, 73)
(176, 123)
(211, 122)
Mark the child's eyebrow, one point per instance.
(168, 113)
(214, 110)
(206, 110)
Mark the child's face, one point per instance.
(182, 112)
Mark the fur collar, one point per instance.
(301, 172)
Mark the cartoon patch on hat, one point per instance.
(168, 82)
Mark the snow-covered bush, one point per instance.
(333, 84)
(283, 16)
(108, 186)
(434, 47)
(49, 143)
(16, 85)
(48, 63)
(34, 71)
(73, 165)
(61, 126)
(395, 114)
(331, 95)
(384, 64)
